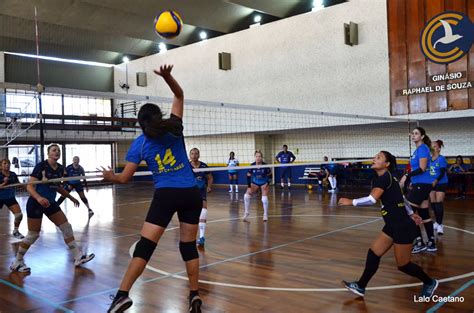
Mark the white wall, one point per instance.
(300, 62)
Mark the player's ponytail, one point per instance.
(152, 123)
(390, 158)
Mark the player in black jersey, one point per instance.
(399, 231)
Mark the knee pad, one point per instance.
(424, 214)
(31, 237)
(265, 200)
(18, 216)
(66, 229)
(188, 250)
(144, 249)
(203, 215)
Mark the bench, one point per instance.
(311, 175)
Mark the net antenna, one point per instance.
(39, 87)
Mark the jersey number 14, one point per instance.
(168, 159)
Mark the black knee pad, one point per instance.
(424, 214)
(188, 250)
(144, 249)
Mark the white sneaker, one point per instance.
(17, 235)
(19, 266)
(440, 229)
(265, 218)
(435, 227)
(83, 259)
(245, 219)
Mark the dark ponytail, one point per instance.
(390, 158)
(152, 123)
(426, 139)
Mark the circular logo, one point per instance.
(447, 37)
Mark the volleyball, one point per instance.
(168, 24)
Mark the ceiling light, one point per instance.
(257, 18)
(203, 35)
(125, 59)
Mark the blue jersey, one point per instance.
(435, 169)
(71, 171)
(166, 158)
(260, 176)
(458, 170)
(285, 157)
(8, 193)
(201, 177)
(43, 169)
(331, 167)
(421, 152)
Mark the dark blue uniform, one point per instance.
(71, 171)
(285, 158)
(260, 176)
(48, 191)
(7, 195)
(201, 180)
(174, 181)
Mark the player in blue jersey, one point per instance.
(233, 176)
(7, 196)
(42, 202)
(439, 176)
(285, 157)
(73, 170)
(257, 178)
(399, 230)
(421, 185)
(204, 182)
(162, 147)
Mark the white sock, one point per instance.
(236, 187)
(331, 181)
(335, 182)
(202, 225)
(230, 187)
(247, 198)
(283, 184)
(265, 205)
(289, 184)
(75, 249)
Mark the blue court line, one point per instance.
(49, 302)
(455, 293)
(223, 261)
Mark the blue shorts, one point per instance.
(286, 172)
(78, 187)
(260, 184)
(232, 172)
(35, 210)
(8, 202)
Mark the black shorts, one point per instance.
(203, 192)
(78, 187)
(441, 187)
(35, 210)
(419, 193)
(286, 172)
(401, 232)
(166, 201)
(8, 202)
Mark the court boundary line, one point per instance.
(453, 294)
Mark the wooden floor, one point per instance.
(292, 263)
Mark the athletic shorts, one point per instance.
(259, 184)
(8, 202)
(232, 172)
(441, 187)
(286, 172)
(35, 210)
(419, 193)
(401, 232)
(203, 192)
(187, 202)
(78, 187)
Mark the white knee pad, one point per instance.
(66, 229)
(203, 214)
(31, 237)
